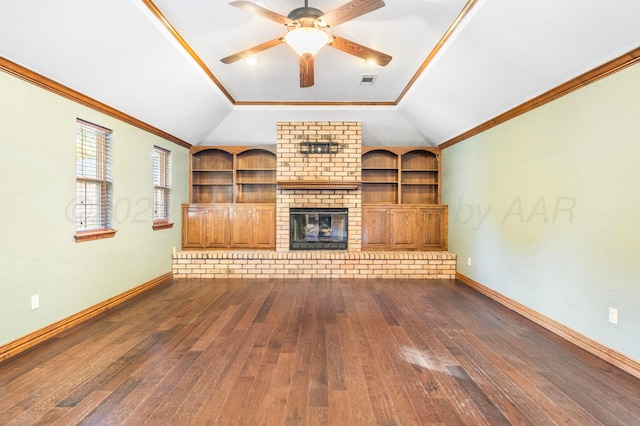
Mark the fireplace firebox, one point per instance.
(318, 229)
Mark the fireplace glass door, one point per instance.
(318, 229)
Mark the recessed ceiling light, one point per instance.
(251, 60)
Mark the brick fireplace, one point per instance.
(311, 179)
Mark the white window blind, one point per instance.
(94, 177)
(161, 185)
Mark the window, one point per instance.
(161, 188)
(94, 182)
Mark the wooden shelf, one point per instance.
(400, 175)
(233, 174)
(211, 184)
(419, 184)
(389, 182)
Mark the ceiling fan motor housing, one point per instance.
(305, 12)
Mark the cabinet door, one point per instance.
(375, 228)
(217, 233)
(264, 227)
(403, 228)
(193, 227)
(433, 228)
(241, 226)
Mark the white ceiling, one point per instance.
(503, 53)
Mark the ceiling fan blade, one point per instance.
(359, 50)
(349, 11)
(306, 71)
(252, 50)
(261, 11)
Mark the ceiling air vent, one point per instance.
(368, 79)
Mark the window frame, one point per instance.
(94, 140)
(162, 182)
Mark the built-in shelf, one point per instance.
(233, 174)
(400, 175)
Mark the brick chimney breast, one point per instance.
(341, 167)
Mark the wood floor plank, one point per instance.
(233, 406)
(272, 409)
(261, 382)
(360, 408)
(298, 395)
(365, 312)
(223, 373)
(328, 352)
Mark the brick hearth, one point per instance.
(314, 264)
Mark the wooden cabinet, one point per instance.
(401, 199)
(386, 227)
(216, 226)
(375, 228)
(433, 227)
(205, 226)
(253, 227)
(404, 227)
(233, 195)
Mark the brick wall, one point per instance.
(343, 166)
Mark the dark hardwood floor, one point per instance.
(228, 352)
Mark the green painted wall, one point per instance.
(38, 254)
(547, 207)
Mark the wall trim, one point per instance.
(32, 339)
(603, 352)
(43, 82)
(605, 70)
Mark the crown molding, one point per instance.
(605, 70)
(43, 82)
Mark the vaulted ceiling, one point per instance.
(455, 63)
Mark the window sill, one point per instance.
(97, 234)
(162, 225)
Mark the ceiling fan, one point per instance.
(306, 34)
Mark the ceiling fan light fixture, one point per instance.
(306, 40)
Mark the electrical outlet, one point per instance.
(35, 301)
(468, 261)
(613, 315)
